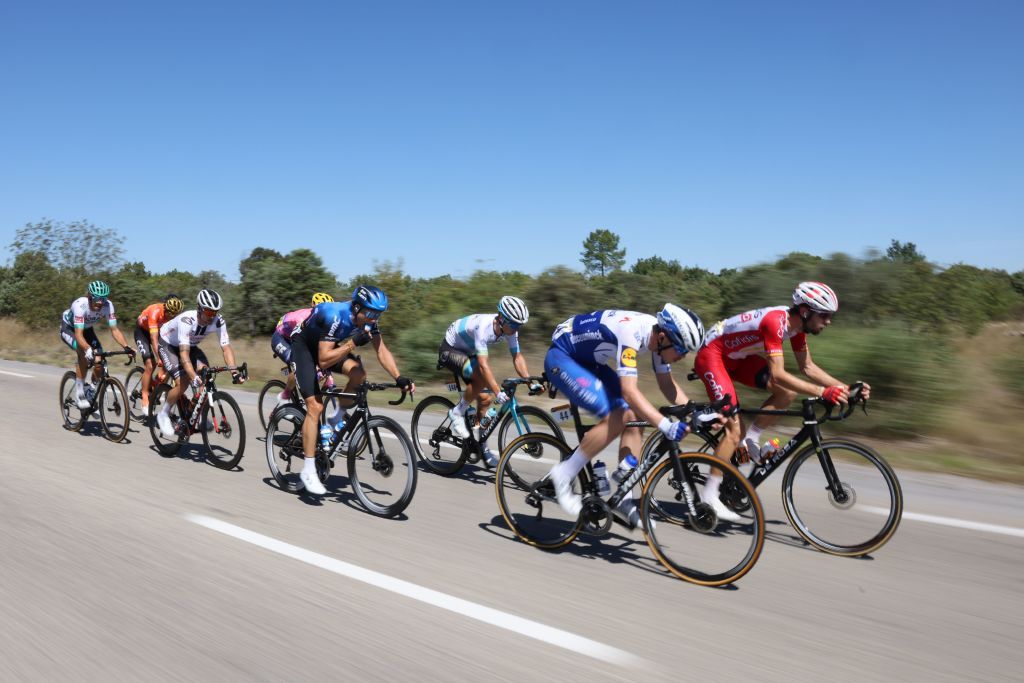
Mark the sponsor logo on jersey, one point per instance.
(628, 357)
(740, 342)
(713, 384)
(585, 336)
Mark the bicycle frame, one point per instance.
(512, 404)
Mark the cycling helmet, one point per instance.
(368, 296)
(817, 295)
(98, 289)
(208, 298)
(322, 298)
(513, 310)
(682, 326)
(173, 305)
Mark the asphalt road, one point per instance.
(119, 564)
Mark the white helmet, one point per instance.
(513, 310)
(817, 295)
(208, 298)
(682, 326)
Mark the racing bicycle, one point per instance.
(108, 399)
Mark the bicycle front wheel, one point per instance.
(382, 466)
(113, 405)
(72, 417)
(526, 420)
(694, 544)
(223, 431)
(133, 390)
(267, 401)
(438, 449)
(844, 500)
(526, 497)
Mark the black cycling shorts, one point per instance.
(67, 335)
(459, 362)
(143, 344)
(171, 358)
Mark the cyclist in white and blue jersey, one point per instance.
(326, 339)
(464, 352)
(576, 364)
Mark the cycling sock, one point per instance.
(711, 487)
(571, 467)
(165, 410)
(460, 409)
(309, 465)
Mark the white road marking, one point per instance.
(15, 374)
(951, 521)
(525, 627)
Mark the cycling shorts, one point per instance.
(67, 335)
(592, 387)
(171, 358)
(718, 371)
(282, 346)
(143, 344)
(459, 362)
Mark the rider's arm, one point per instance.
(484, 363)
(186, 361)
(117, 334)
(638, 402)
(387, 361)
(786, 380)
(330, 353)
(154, 339)
(812, 371)
(80, 337)
(519, 363)
(229, 355)
(670, 389)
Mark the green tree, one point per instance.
(653, 265)
(903, 252)
(601, 254)
(78, 247)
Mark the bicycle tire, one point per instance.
(284, 445)
(435, 457)
(113, 407)
(384, 461)
(164, 446)
(527, 415)
(852, 471)
(675, 536)
(266, 393)
(222, 416)
(524, 494)
(133, 390)
(69, 404)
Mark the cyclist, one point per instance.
(76, 332)
(326, 340)
(748, 347)
(147, 332)
(180, 353)
(464, 352)
(281, 341)
(576, 364)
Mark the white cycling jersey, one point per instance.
(474, 333)
(80, 315)
(600, 336)
(185, 330)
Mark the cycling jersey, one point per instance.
(474, 333)
(595, 338)
(332, 321)
(186, 330)
(760, 332)
(79, 314)
(152, 318)
(289, 321)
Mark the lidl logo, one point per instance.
(628, 357)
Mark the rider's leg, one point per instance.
(147, 380)
(352, 368)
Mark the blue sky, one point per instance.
(460, 135)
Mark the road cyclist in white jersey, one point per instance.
(181, 355)
(576, 364)
(77, 333)
(464, 352)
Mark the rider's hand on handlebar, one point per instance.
(88, 354)
(405, 384)
(237, 377)
(865, 390)
(673, 431)
(129, 350)
(536, 387)
(835, 394)
(196, 381)
(500, 397)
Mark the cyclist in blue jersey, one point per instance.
(326, 340)
(576, 364)
(464, 352)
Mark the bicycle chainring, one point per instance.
(596, 516)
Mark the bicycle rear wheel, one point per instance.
(526, 497)
(699, 548)
(438, 449)
(267, 401)
(223, 431)
(845, 501)
(113, 406)
(133, 390)
(382, 466)
(527, 420)
(164, 446)
(72, 417)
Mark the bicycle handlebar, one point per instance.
(512, 382)
(106, 354)
(242, 370)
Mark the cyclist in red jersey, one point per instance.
(748, 348)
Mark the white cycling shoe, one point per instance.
(723, 513)
(82, 401)
(459, 428)
(166, 428)
(569, 501)
(311, 482)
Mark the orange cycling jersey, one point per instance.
(152, 318)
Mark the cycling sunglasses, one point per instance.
(208, 312)
(371, 314)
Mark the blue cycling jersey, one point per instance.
(597, 337)
(332, 322)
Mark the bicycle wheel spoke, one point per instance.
(223, 431)
(284, 447)
(438, 449)
(113, 406)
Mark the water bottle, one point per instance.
(488, 416)
(769, 448)
(90, 391)
(626, 465)
(601, 478)
(326, 436)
